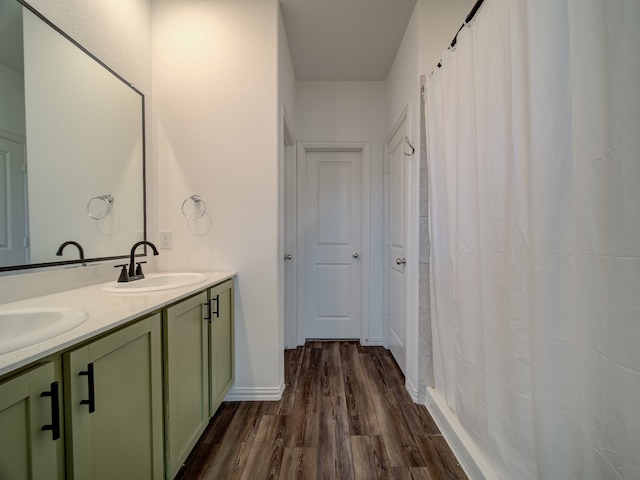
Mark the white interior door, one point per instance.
(13, 204)
(332, 243)
(397, 222)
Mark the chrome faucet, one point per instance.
(75, 244)
(135, 268)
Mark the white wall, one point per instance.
(439, 21)
(216, 123)
(12, 102)
(63, 145)
(286, 74)
(118, 32)
(352, 112)
(431, 28)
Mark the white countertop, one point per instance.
(106, 311)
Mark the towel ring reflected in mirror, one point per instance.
(194, 207)
(94, 209)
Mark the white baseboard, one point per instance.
(374, 342)
(411, 388)
(250, 394)
(470, 458)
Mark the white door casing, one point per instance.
(397, 189)
(290, 216)
(13, 201)
(333, 242)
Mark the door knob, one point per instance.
(401, 261)
(288, 256)
(355, 255)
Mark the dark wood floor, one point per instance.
(345, 414)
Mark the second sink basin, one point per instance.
(153, 282)
(27, 326)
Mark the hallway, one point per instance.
(345, 414)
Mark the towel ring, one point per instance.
(107, 199)
(200, 208)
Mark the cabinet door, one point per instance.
(222, 344)
(27, 451)
(114, 405)
(187, 378)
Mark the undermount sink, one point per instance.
(153, 282)
(27, 326)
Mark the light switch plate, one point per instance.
(165, 239)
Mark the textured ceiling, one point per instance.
(350, 40)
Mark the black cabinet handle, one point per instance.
(90, 382)
(206, 310)
(55, 411)
(215, 312)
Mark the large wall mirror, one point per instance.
(71, 148)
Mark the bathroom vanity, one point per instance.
(127, 393)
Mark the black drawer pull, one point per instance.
(207, 310)
(215, 311)
(55, 411)
(91, 401)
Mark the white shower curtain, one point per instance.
(534, 159)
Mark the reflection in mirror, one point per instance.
(79, 128)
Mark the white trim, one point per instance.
(249, 394)
(288, 225)
(374, 341)
(300, 244)
(470, 458)
(411, 388)
(365, 229)
(365, 226)
(288, 135)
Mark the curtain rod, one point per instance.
(474, 10)
(472, 14)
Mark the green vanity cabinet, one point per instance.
(199, 367)
(28, 403)
(186, 351)
(221, 343)
(113, 405)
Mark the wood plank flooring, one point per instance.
(344, 415)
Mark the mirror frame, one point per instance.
(10, 268)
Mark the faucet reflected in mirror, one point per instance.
(134, 268)
(75, 244)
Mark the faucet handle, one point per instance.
(139, 268)
(124, 276)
